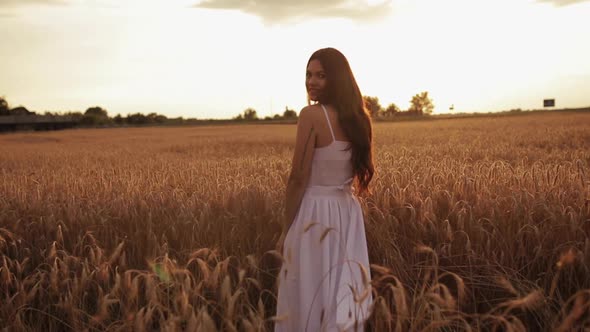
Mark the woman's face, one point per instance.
(315, 80)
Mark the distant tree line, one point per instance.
(420, 105)
(250, 114)
(6, 110)
(98, 116)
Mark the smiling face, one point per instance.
(315, 80)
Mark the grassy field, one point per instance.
(474, 224)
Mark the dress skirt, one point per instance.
(324, 282)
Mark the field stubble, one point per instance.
(474, 224)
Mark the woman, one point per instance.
(324, 282)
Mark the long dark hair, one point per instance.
(343, 93)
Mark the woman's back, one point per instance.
(331, 164)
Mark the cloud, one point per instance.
(20, 3)
(561, 3)
(277, 11)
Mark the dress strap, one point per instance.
(329, 124)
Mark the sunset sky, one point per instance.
(214, 58)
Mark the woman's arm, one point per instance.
(301, 165)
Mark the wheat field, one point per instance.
(473, 224)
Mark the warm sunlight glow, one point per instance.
(176, 59)
(376, 2)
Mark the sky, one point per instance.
(215, 58)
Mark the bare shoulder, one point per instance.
(309, 113)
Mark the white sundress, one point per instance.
(325, 252)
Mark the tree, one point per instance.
(75, 116)
(161, 118)
(136, 119)
(4, 109)
(95, 116)
(289, 113)
(156, 118)
(372, 104)
(421, 104)
(96, 111)
(250, 114)
(21, 110)
(391, 110)
(119, 119)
